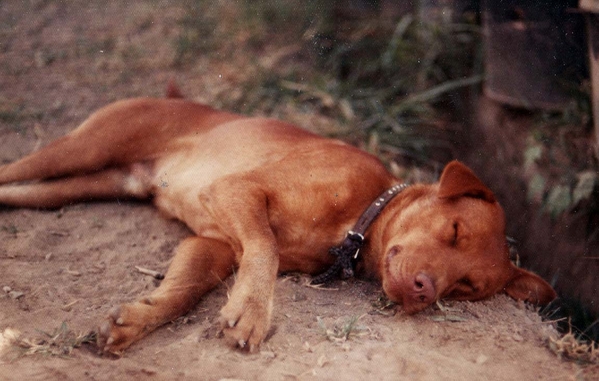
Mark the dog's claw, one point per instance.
(114, 313)
(245, 323)
(104, 329)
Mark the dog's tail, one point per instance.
(173, 91)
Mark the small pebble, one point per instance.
(268, 354)
(322, 361)
(481, 359)
(517, 337)
(15, 294)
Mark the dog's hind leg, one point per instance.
(114, 183)
(65, 156)
(199, 265)
(118, 134)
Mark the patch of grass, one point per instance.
(564, 181)
(340, 332)
(570, 347)
(573, 317)
(10, 114)
(564, 178)
(385, 81)
(383, 306)
(14, 115)
(61, 342)
(198, 33)
(263, 19)
(226, 29)
(559, 155)
(397, 84)
(10, 229)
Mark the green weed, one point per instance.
(341, 332)
(387, 81)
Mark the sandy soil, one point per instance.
(57, 64)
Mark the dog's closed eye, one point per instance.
(455, 233)
(463, 288)
(467, 283)
(454, 240)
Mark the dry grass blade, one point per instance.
(319, 286)
(383, 306)
(152, 273)
(445, 87)
(60, 343)
(572, 348)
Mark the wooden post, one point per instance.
(591, 7)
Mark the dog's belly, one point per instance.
(176, 194)
(194, 162)
(302, 240)
(304, 176)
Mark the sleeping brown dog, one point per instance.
(264, 197)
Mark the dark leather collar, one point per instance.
(347, 252)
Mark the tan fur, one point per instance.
(263, 197)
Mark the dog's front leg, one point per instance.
(240, 209)
(245, 319)
(199, 265)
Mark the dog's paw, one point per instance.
(245, 324)
(121, 328)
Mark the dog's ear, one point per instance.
(457, 180)
(524, 285)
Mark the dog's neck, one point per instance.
(348, 252)
(378, 235)
(376, 207)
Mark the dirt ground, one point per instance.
(61, 60)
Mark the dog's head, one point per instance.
(448, 240)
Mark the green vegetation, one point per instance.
(387, 81)
(340, 332)
(564, 176)
(15, 115)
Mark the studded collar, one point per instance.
(347, 252)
